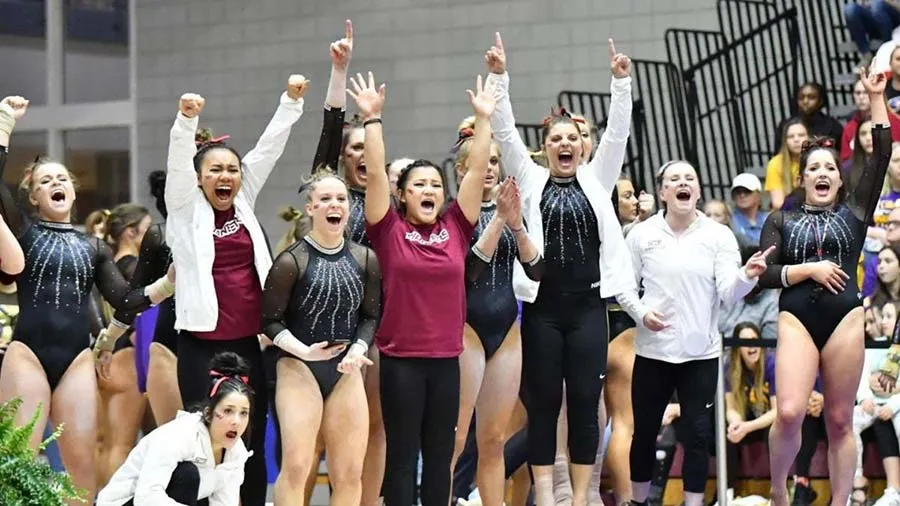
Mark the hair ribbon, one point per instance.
(223, 378)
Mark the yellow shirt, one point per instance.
(775, 174)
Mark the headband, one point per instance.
(223, 378)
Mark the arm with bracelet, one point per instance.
(369, 316)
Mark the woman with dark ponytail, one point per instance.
(122, 402)
(198, 458)
(161, 383)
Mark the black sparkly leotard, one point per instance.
(61, 267)
(356, 222)
(126, 266)
(571, 239)
(152, 264)
(491, 307)
(323, 295)
(811, 235)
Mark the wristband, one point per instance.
(371, 122)
(7, 119)
(103, 343)
(162, 287)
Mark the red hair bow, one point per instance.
(223, 378)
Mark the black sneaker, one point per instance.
(803, 495)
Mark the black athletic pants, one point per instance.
(652, 386)
(184, 486)
(564, 337)
(420, 407)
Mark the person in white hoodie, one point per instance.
(879, 410)
(196, 459)
(687, 264)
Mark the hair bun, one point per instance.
(290, 213)
(157, 182)
(229, 364)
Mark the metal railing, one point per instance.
(734, 80)
(721, 422)
(822, 32)
(659, 125)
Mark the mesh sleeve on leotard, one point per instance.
(280, 283)
(370, 309)
(771, 236)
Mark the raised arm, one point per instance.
(283, 277)
(370, 101)
(181, 178)
(516, 156)
(472, 185)
(11, 110)
(866, 186)
(329, 150)
(607, 162)
(259, 162)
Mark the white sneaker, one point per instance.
(891, 497)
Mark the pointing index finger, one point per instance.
(612, 49)
(768, 251)
(498, 41)
(348, 30)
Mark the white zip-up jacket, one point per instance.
(685, 277)
(596, 179)
(190, 225)
(146, 473)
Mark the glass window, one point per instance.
(96, 50)
(99, 160)
(23, 148)
(22, 50)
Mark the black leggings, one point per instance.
(420, 406)
(184, 486)
(564, 337)
(812, 432)
(652, 385)
(193, 381)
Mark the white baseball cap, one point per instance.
(748, 181)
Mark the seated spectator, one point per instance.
(718, 211)
(873, 322)
(892, 92)
(749, 397)
(809, 102)
(870, 265)
(783, 170)
(880, 411)
(887, 288)
(759, 307)
(863, 113)
(199, 457)
(748, 217)
(869, 20)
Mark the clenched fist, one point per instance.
(297, 86)
(191, 104)
(18, 105)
